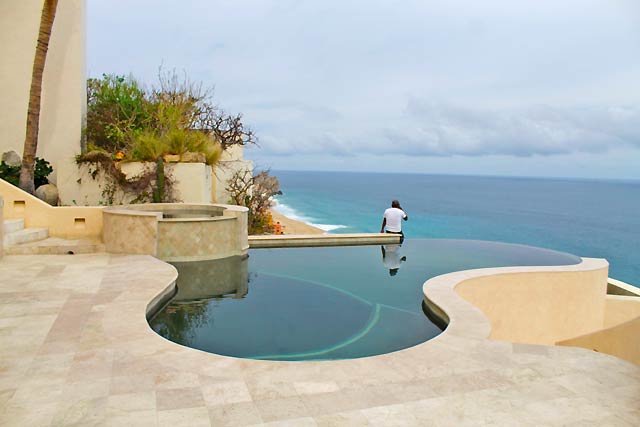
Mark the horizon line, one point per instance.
(474, 175)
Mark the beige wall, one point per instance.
(230, 162)
(65, 222)
(541, 307)
(538, 305)
(617, 287)
(621, 341)
(193, 184)
(1, 227)
(620, 309)
(63, 97)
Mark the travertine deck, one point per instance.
(75, 349)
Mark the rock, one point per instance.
(48, 193)
(190, 157)
(171, 158)
(11, 158)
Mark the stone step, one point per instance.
(12, 225)
(56, 246)
(25, 235)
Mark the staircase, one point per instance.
(16, 234)
(36, 241)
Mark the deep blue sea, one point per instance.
(589, 218)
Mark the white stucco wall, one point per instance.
(192, 184)
(223, 172)
(64, 81)
(230, 161)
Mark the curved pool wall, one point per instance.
(176, 232)
(324, 303)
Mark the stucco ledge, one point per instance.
(466, 320)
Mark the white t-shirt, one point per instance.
(394, 217)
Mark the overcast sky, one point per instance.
(498, 87)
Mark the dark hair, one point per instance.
(395, 204)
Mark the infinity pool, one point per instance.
(323, 303)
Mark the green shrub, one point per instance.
(11, 174)
(256, 193)
(149, 145)
(42, 170)
(116, 109)
(179, 114)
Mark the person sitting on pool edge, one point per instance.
(392, 220)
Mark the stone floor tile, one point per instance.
(179, 398)
(6, 395)
(92, 359)
(608, 421)
(189, 417)
(538, 350)
(632, 416)
(225, 393)
(392, 415)
(132, 419)
(308, 387)
(297, 422)
(235, 414)
(27, 417)
(36, 395)
(340, 419)
(132, 384)
(91, 365)
(91, 389)
(265, 388)
(344, 400)
(281, 409)
(118, 404)
(463, 383)
(82, 412)
(55, 346)
(178, 379)
(406, 392)
(563, 411)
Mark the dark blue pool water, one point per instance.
(323, 303)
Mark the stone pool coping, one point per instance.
(310, 240)
(77, 349)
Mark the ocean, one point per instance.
(589, 218)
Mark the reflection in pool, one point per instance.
(323, 303)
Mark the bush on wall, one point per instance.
(256, 193)
(176, 117)
(42, 170)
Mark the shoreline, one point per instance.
(292, 226)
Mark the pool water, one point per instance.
(323, 303)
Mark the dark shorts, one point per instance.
(397, 232)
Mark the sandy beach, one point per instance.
(291, 226)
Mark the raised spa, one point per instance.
(324, 303)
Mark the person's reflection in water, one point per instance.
(391, 258)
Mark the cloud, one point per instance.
(432, 129)
(418, 78)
